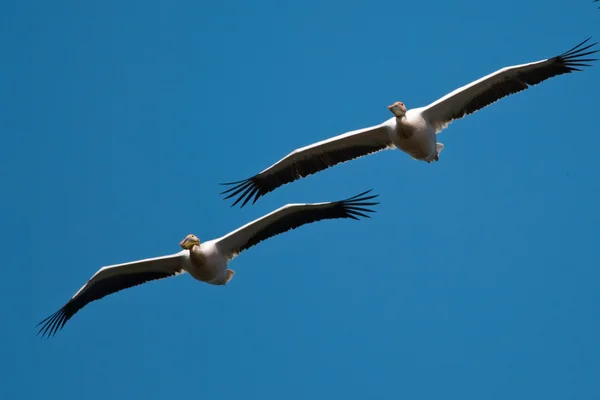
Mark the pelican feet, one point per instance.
(433, 159)
(438, 149)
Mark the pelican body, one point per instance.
(204, 262)
(410, 132)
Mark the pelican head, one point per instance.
(398, 109)
(189, 242)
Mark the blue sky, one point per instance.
(477, 278)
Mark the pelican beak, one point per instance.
(189, 242)
(397, 109)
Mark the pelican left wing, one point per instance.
(504, 82)
(311, 159)
(112, 279)
(292, 216)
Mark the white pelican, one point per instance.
(413, 131)
(207, 261)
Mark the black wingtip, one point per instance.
(575, 58)
(245, 190)
(232, 183)
(578, 50)
(359, 195)
(356, 206)
(52, 324)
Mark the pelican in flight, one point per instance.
(207, 261)
(412, 131)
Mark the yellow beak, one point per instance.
(188, 243)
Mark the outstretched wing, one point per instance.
(309, 160)
(112, 279)
(504, 82)
(292, 216)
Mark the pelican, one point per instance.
(412, 131)
(207, 261)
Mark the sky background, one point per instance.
(477, 278)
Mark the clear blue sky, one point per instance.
(478, 278)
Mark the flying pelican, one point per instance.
(412, 131)
(207, 261)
